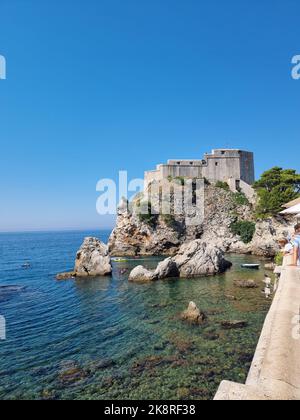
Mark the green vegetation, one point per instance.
(275, 188)
(180, 180)
(244, 229)
(169, 220)
(170, 178)
(241, 199)
(279, 259)
(148, 218)
(222, 185)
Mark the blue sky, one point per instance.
(98, 86)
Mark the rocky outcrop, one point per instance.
(165, 235)
(66, 276)
(141, 274)
(167, 268)
(133, 237)
(200, 259)
(193, 315)
(93, 259)
(194, 259)
(246, 284)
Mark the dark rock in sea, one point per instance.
(48, 395)
(211, 336)
(229, 325)
(7, 292)
(246, 284)
(66, 276)
(245, 358)
(40, 371)
(101, 364)
(181, 344)
(152, 362)
(11, 289)
(71, 373)
(161, 346)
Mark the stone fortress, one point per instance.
(233, 166)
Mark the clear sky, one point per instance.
(98, 86)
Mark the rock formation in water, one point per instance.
(194, 259)
(197, 258)
(164, 235)
(246, 284)
(92, 260)
(193, 315)
(141, 274)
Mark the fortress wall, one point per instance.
(220, 168)
(220, 165)
(186, 171)
(247, 167)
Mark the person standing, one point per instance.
(296, 242)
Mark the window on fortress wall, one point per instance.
(194, 200)
(223, 153)
(178, 163)
(217, 163)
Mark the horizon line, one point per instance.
(56, 230)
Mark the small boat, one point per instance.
(119, 260)
(251, 266)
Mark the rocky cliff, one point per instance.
(163, 235)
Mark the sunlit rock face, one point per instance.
(93, 259)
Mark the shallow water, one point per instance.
(104, 338)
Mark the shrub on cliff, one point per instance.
(169, 220)
(222, 185)
(244, 229)
(241, 199)
(146, 216)
(275, 188)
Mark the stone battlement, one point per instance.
(234, 166)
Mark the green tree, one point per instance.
(275, 188)
(244, 229)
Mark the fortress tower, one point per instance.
(234, 166)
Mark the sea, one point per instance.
(107, 339)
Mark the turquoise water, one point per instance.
(104, 338)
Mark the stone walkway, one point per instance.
(275, 370)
